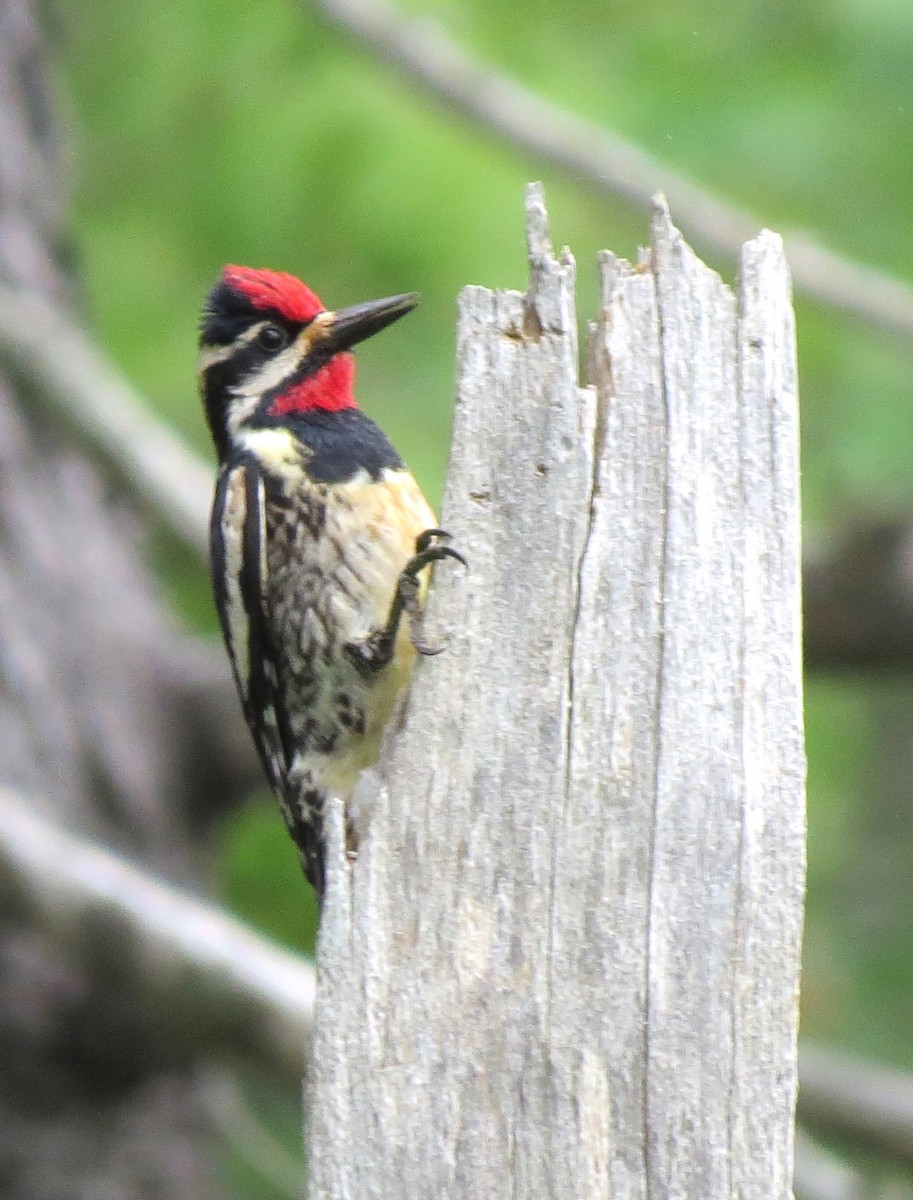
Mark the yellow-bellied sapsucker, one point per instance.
(319, 536)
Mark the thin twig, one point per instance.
(429, 58)
(67, 368)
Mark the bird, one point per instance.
(320, 540)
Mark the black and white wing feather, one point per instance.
(238, 532)
(239, 573)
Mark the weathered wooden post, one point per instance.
(565, 963)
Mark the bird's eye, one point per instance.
(272, 338)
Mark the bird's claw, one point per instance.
(427, 551)
(376, 650)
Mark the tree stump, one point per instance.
(565, 962)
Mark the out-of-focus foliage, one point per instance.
(205, 132)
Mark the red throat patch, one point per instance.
(274, 290)
(327, 390)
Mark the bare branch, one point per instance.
(46, 348)
(215, 987)
(423, 52)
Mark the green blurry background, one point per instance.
(203, 132)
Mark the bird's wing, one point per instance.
(239, 569)
(238, 555)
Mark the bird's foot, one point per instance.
(376, 650)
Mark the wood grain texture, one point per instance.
(565, 962)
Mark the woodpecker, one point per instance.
(320, 538)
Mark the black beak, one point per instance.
(360, 321)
